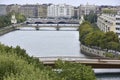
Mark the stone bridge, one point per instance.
(52, 21)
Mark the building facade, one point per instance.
(61, 10)
(42, 11)
(109, 22)
(3, 10)
(28, 10)
(13, 8)
(87, 9)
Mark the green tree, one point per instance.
(84, 29)
(92, 17)
(74, 71)
(113, 45)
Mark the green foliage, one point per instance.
(110, 55)
(20, 18)
(74, 71)
(6, 19)
(92, 18)
(84, 29)
(93, 37)
(15, 64)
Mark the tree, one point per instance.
(111, 36)
(74, 71)
(6, 19)
(84, 29)
(113, 45)
(92, 17)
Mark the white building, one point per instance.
(61, 10)
(87, 9)
(109, 22)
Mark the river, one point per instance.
(53, 43)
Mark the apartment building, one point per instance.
(42, 11)
(87, 9)
(61, 10)
(28, 10)
(3, 10)
(109, 22)
(13, 8)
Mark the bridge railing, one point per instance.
(67, 58)
(79, 59)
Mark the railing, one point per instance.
(95, 62)
(68, 58)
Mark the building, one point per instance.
(42, 11)
(13, 8)
(28, 10)
(60, 11)
(87, 9)
(76, 13)
(3, 10)
(109, 22)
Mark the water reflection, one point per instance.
(45, 43)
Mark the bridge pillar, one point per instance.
(57, 28)
(37, 27)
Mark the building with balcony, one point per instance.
(60, 11)
(109, 22)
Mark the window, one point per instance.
(67, 11)
(117, 28)
(61, 9)
(117, 23)
(117, 18)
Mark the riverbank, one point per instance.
(6, 30)
(92, 52)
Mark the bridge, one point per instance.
(51, 21)
(93, 62)
(56, 26)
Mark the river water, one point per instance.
(53, 43)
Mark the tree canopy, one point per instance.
(6, 19)
(16, 64)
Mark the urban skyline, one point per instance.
(70, 2)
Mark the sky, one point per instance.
(70, 2)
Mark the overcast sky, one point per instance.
(71, 2)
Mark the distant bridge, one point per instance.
(56, 26)
(94, 62)
(52, 21)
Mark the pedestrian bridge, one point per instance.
(93, 62)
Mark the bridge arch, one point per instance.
(38, 23)
(62, 22)
(50, 22)
(27, 22)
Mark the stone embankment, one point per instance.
(6, 30)
(92, 52)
